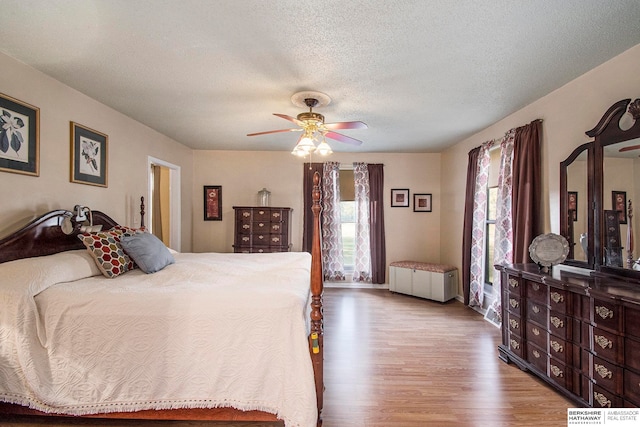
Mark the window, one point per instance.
(348, 218)
(490, 229)
(348, 215)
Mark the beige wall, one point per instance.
(435, 237)
(409, 235)
(567, 114)
(25, 197)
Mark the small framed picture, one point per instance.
(89, 156)
(572, 204)
(19, 137)
(619, 204)
(400, 198)
(213, 203)
(422, 202)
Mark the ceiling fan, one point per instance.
(313, 127)
(631, 147)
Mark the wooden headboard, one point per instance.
(43, 236)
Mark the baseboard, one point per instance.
(356, 285)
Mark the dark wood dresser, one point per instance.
(579, 333)
(262, 229)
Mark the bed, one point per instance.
(208, 337)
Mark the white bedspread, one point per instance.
(210, 330)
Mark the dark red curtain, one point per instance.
(376, 224)
(527, 189)
(307, 230)
(467, 228)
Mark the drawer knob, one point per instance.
(601, 399)
(556, 346)
(513, 283)
(246, 214)
(555, 321)
(513, 303)
(604, 312)
(261, 224)
(514, 323)
(514, 344)
(261, 212)
(245, 239)
(557, 371)
(556, 297)
(535, 331)
(260, 237)
(536, 354)
(603, 341)
(535, 287)
(536, 309)
(276, 214)
(275, 227)
(602, 371)
(275, 239)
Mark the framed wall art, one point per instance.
(619, 204)
(19, 137)
(400, 198)
(422, 203)
(89, 156)
(572, 205)
(213, 203)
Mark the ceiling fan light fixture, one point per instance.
(323, 148)
(305, 145)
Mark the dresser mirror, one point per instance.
(621, 179)
(575, 185)
(604, 174)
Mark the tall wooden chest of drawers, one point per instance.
(262, 229)
(580, 334)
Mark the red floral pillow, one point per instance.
(107, 251)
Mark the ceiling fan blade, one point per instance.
(342, 138)
(631, 147)
(274, 131)
(346, 125)
(291, 119)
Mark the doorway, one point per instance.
(164, 201)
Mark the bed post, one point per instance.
(316, 339)
(141, 212)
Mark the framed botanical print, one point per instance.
(19, 136)
(89, 156)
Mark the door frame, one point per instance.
(174, 203)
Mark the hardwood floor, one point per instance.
(399, 361)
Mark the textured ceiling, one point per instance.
(422, 74)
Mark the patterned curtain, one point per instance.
(362, 263)
(476, 285)
(332, 260)
(503, 243)
(467, 226)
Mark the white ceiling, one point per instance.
(422, 74)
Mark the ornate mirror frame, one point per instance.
(582, 213)
(606, 133)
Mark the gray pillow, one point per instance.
(147, 251)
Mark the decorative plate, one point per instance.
(549, 249)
